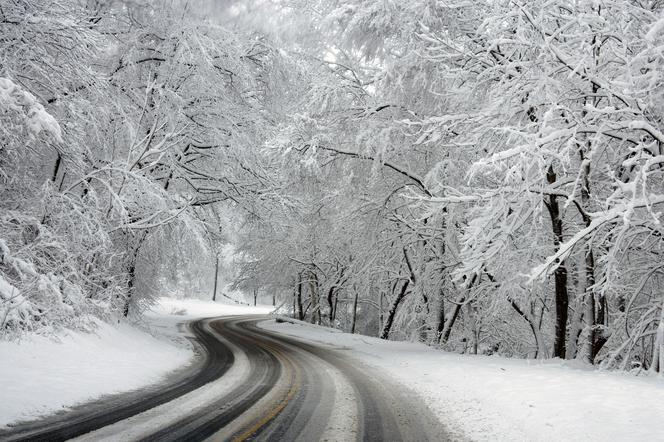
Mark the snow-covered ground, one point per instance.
(481, 398)
(39, 376)
(195, 308)
(492, 398)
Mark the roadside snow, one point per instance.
(195, 308)
(497, 399)
(39, 376)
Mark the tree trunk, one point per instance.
(56, 167)
(336, 305)
(315, 303)
(387, 326)
(255, 297)
(131, 272)
(658, 350)
(471, 323)
(330, 304)
(595, 313)
(560, 275)
(425, 327)
(447, 330)
(594, 318)
(298, 297)
(354, 317)
(216, 277)
(539, 342)
(575, 344)
(380, 312)
(441, 316)
(332, 295)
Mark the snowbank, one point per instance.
(195, 308)
(39, 376)
(492, 398)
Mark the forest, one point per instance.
(486, 177)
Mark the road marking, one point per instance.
(294, 375)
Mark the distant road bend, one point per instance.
(252, 384)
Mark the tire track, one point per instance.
(217, 360)
(285, 389)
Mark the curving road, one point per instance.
(252, 384)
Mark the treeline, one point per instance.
(484, 176)
(121, 125)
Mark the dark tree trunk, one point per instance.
(336, 304)
(594, 310)
(441, 316)
(387, 326)
(56, 168)
(533, 326)
(389, 320)
(332, 295)
(425, 327)
(298, 297)
(315, 301)
(354, 317)
(331, 304)
(216, 277)
(560, 275)
(131, 272)
(380, 312)
(447, 330)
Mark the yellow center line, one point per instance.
(294, 375)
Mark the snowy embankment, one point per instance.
(492, 398)
(40, 376)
